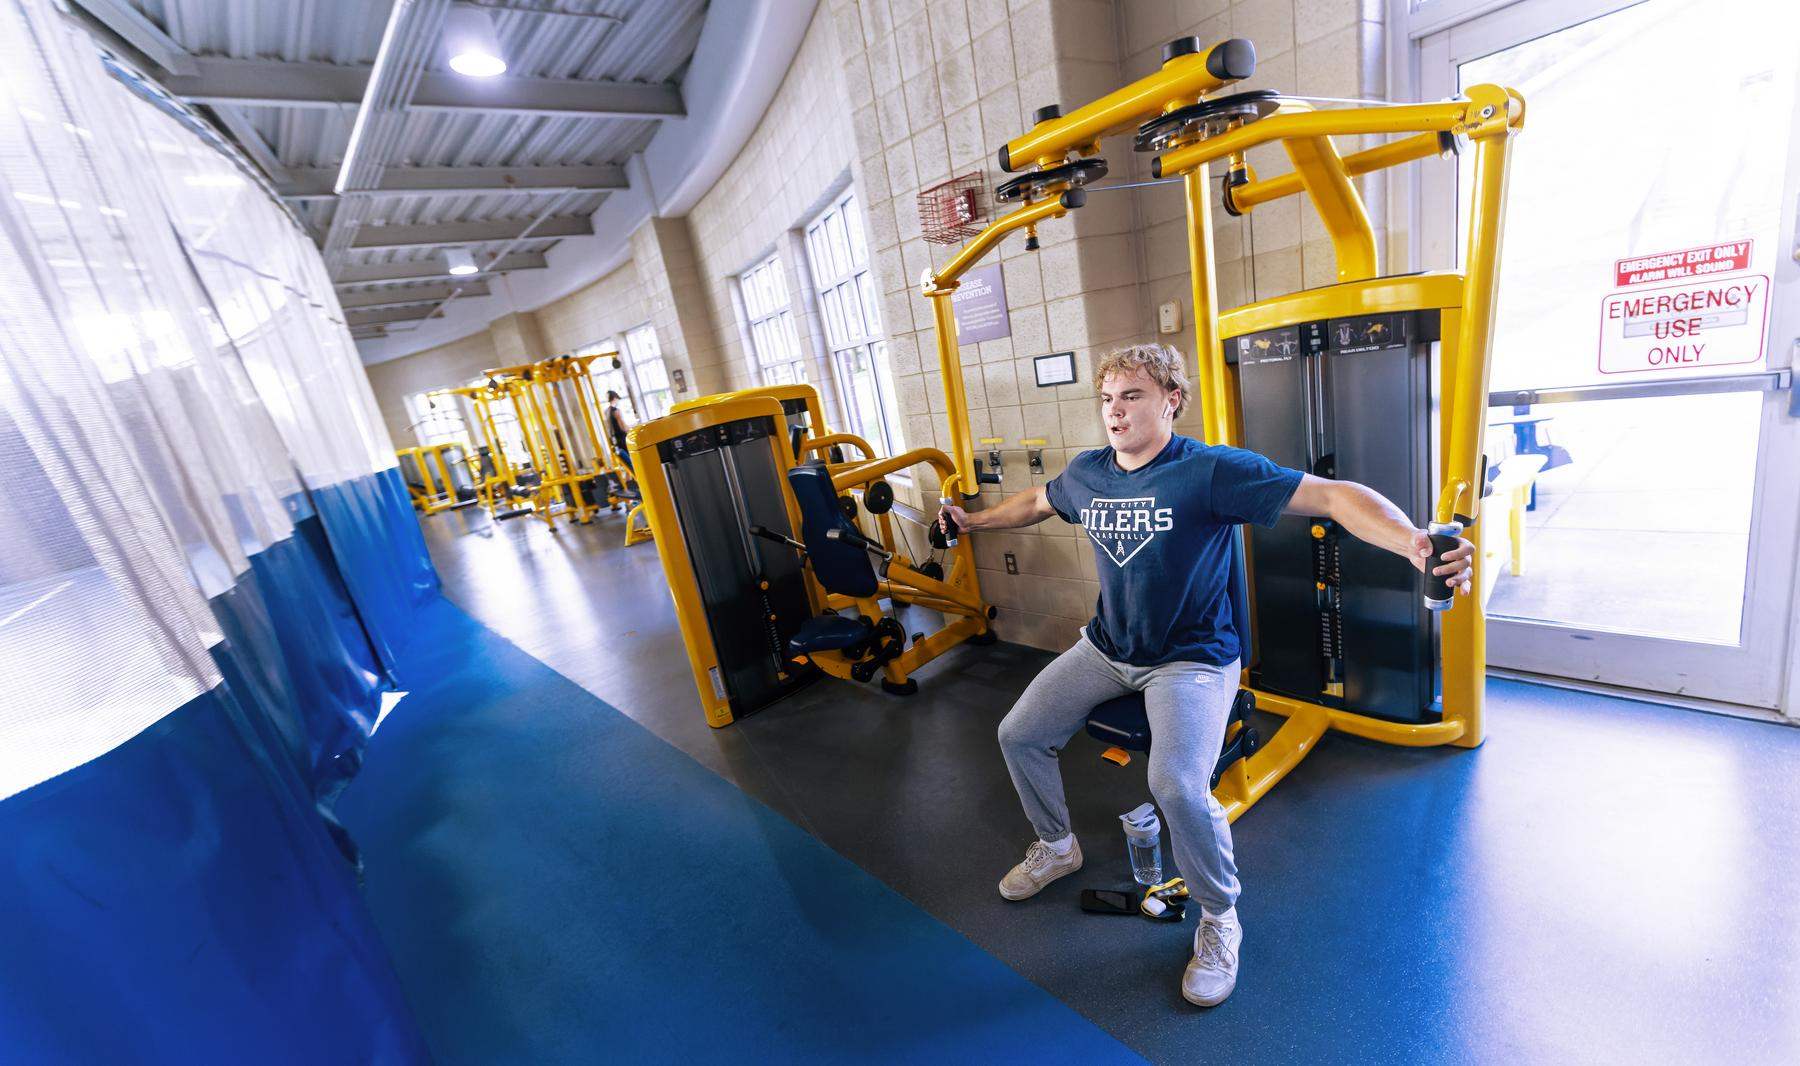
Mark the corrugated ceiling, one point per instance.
(653, 44)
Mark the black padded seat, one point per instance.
(1121, 722)
(827, 632)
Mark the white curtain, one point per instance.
(171, 353)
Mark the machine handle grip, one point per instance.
(943, 536)
(858, 540)
(1439, 595)
(768, 534)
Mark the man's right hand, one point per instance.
(956, 515)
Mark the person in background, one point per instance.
(617, 429)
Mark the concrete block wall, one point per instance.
(598, 313)
(937, 86)
(663, 250)
(1321, 48)
(455, 363)
(797, 159)
(518, 338)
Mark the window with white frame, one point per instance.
(435, 420)
(770, 320)
(839, 257)
(643, 355)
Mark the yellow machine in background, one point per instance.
(567, 468)
(497, 478)
(766, 554)
(436, 477)
(809, 436)
(1319, 658)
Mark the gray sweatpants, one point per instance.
(1188, 704)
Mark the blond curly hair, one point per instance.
(1164, 364)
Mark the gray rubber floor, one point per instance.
(1604, 880)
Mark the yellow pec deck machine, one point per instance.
(1381, 380)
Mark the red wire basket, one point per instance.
(954, 210)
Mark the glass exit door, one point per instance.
(1641, 528)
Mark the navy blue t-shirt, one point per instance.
(1162, 541)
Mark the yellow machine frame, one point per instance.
(819, 439)
(546, 437)
(485, 434)
(957, 594)
(439, 493)
(1487, 116)
(557, 408)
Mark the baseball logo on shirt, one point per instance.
(1121, 528)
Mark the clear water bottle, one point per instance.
(1143, 842)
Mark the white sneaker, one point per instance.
(1212, 972)
(1042, 865)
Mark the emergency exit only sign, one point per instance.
(1714, 314)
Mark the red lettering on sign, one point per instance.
(1712, 298)
(1687, 263)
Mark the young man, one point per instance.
(1160, 509)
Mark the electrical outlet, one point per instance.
(1012, 563)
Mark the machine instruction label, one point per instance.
(1717, 322)
(979, 304)
(1688, 263)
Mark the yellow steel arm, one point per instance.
(819, 444)
(1393, 153)
(943, 281)
(1183, 79)
(1462, 116)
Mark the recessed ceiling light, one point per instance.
(460, 261)
(473, 46)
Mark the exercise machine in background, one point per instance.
(1339, 381)
(774, 580)
(556, 463)
(437, 477)
(501, 479)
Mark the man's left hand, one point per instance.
(1458, 566)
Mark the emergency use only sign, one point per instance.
(1706, 322)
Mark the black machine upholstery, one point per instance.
(838, 562)
(1122, 721)
(827, 632)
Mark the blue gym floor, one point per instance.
(568, 865)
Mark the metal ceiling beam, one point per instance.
(416, 294)
(315, 183)
(382, 316)
(269, 83)
(454, 233)
(135, 28)
(241, 128)
(377, 273)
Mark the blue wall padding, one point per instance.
(180, 900)
(379, 549)
(337, 682)
(190, 895)
(557, 884)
